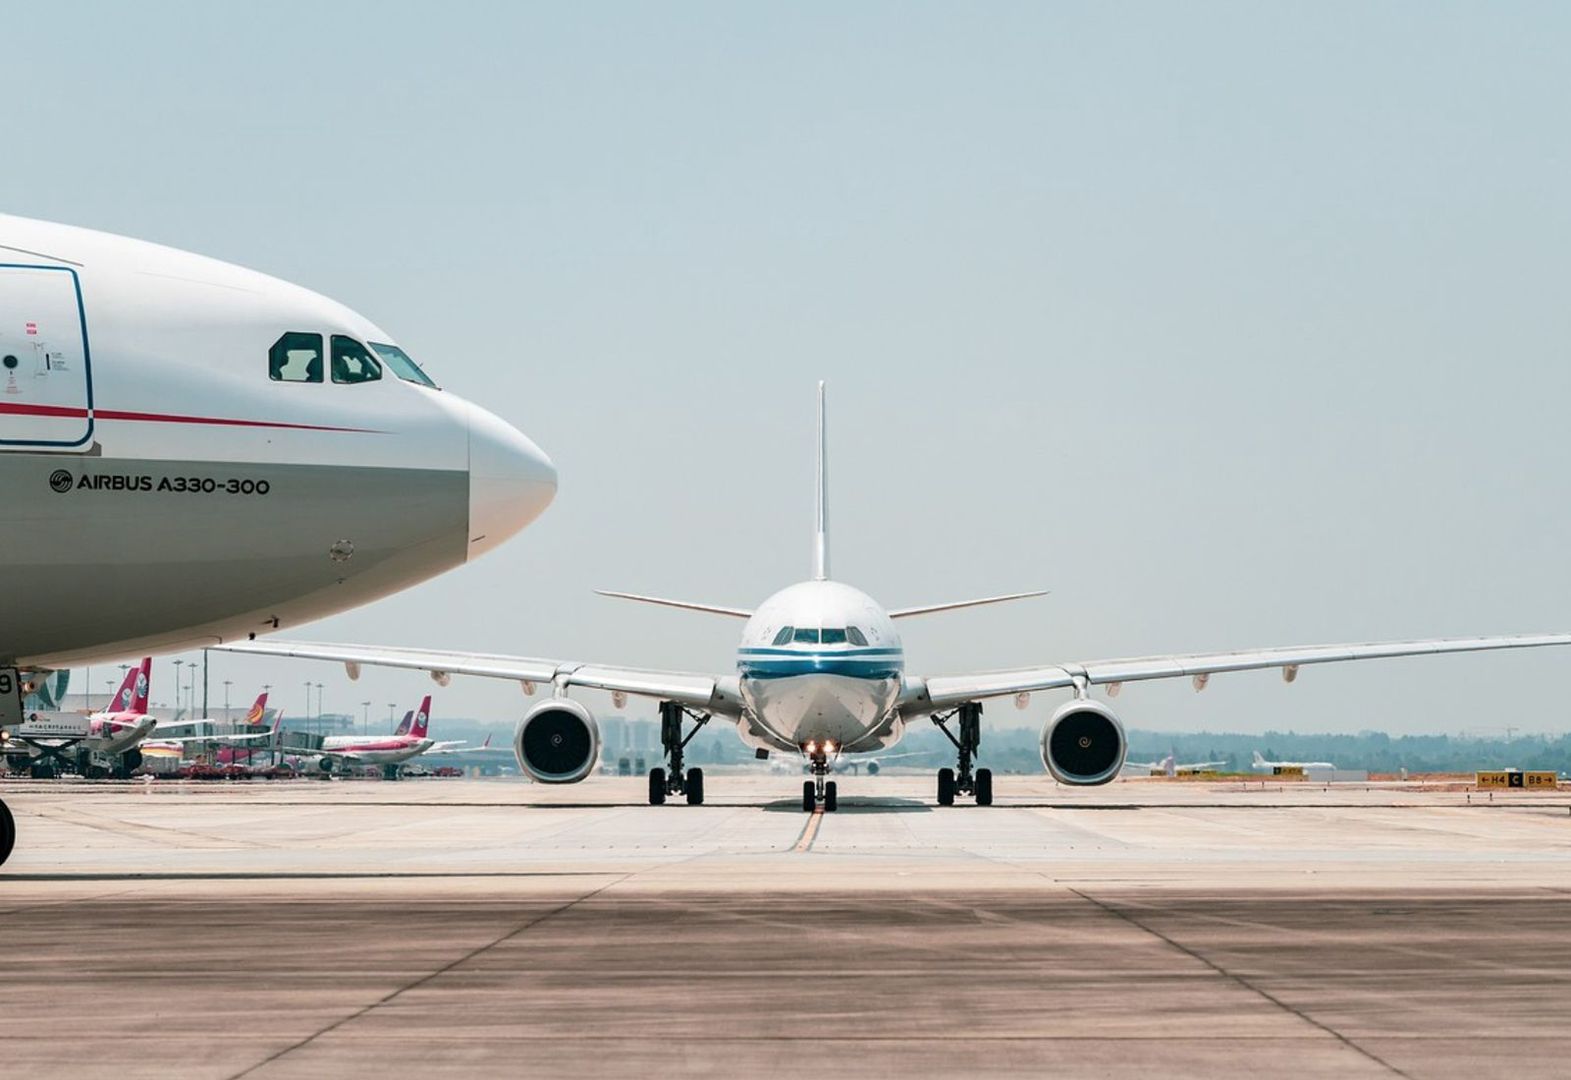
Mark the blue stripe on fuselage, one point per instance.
(853, 663)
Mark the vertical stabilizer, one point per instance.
(403, 725)
(821, 498)
(141, 686)
(422, 718)
(257, 714)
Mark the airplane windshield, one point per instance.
(856, 636)
(835, 636)
(804, 634)
(402, 364)
(783, 636)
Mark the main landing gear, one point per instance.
(961, 780)
(663, 783)
(819, 791)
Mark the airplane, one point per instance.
(821, 671)
(102, 744)
(201, 731)
(1260, 764)
(223, 452)
(1169, 766)
(390, 751)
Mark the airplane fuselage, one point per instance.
(192, 451)
(820, 662)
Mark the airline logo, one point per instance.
(258, 711)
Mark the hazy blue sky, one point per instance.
(1232, 324)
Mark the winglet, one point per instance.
(821, 497)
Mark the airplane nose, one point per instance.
(511, 481)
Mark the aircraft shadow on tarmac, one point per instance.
(854, 806)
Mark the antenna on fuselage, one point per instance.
(821, 500)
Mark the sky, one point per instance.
(1231, 324)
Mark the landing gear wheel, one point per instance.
(809, 797)
(984, 787)
(695, 787)
(7, 832)
(831, 798)
(946, 787)
(43, 772)
(656, 787)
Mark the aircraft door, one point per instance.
(46, 389)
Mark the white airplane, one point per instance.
(347, 751)
(1260, 764)
(222, 452)
(1170, 766)
(821, 671)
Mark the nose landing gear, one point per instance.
(663, 783)
(820, 790)
(961, 780)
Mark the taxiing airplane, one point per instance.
(266, 456)
(105, 743)
(1260, 764)
(821, 671)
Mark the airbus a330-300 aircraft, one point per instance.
(821, 672)
(216, 452)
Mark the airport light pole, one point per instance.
(319, 721)
(226, 699)
(204, 682)
(178, 665)
(365, 717)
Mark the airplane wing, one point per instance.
(247, 737)
(947, 691)
(704, 692)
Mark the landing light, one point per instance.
(829, 747)
(811, 747)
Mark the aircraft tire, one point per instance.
(946, 787)
(656, 787)
(984, 787)
(7, 833)
(695, 787)
(809, 797)
(831, 797)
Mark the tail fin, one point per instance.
(1259, 761)
(121, 702)
(141, 685)
(487, 744)
(821, 498)
(258, 711)
(403, 725)
(422, 719)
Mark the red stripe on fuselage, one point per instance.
(19, 409)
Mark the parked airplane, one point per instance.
(1169, 766)
(203, 731)
(346, 751)
(1260, 764)
(103, 744)
(266, 456)
(821, 670)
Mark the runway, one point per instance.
(489, 928)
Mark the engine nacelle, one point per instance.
(557, 742)
(1084, 744)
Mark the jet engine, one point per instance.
(1083, 744)
(557, 742)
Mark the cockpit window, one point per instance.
(804, 634)
(834, 636)
(403, 366)
(353, 362)
(856, 636)
(295, 357)
(783, 636)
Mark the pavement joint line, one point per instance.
(804, 842)
(426, 978)
(1242, 981)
